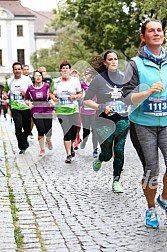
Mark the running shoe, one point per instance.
(151, 218)
(22, 151)
(162, 203)
(116, 187)
(50, 146)
(97, 164)
(95, 153)
(68, 159)
(42, 152)
(82, 145)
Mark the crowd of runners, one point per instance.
(104, 102)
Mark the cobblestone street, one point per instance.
(47, 205)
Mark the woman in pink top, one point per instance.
(37, 97)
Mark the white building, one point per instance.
(22, 32)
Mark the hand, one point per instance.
(30, 105)
(108, 110)
(156, 87)
(72, 97)
(22, 93)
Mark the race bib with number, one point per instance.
(117, 106)
(156, 106)
(18, 98)
(65, 102)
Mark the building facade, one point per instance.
(22, 32)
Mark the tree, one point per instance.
(68, 45)
(112, 24)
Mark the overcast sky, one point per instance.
(39, 5)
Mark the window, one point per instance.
(19, 31)
(20, 56)
(0, 57)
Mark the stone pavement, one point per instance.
(49, 206)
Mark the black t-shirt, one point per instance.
(106, 87)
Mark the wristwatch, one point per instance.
(101, 107)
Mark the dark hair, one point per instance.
(97, 62)
(16, 63)
(107, 52)
(25, 66)
(65, 63)
(37, 71)
(143, 29)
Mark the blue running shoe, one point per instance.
(162, 204)
(82, 145)
(97, 164)
(95, 153)
(151, 218)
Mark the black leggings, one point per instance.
(69, 124)
(44, 126)
(22, 121)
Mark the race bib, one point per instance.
(117, 106)
(18, 98)
(156, 106)
(65, 102)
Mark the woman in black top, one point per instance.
(111, 117)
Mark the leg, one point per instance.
(18, 121)
(120, 135)
(86, 129)
(26, 120)
(144, 140)
(39, 123)
(94, 134)
(48, 132)
(69, 127)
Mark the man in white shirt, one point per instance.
(17, 86)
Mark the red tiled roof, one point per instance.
(42, 18)
(15, 7)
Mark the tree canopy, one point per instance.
(85, 28)
(112, 24)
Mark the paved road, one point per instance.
(59, 207)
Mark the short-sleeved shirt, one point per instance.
(15, 86)
(39, 98)
(63, 90)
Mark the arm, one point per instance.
(5, 91)
(77, 96)
(137, 98)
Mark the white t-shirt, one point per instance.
(63, 90)
(15, 86)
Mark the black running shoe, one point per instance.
(68, 159)
(22, 151)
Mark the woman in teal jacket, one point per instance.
(146, 91)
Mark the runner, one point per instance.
(67, 90)
(21, 114)
(147, 92)
(111, 118)
(36, 98)
(88, 119)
